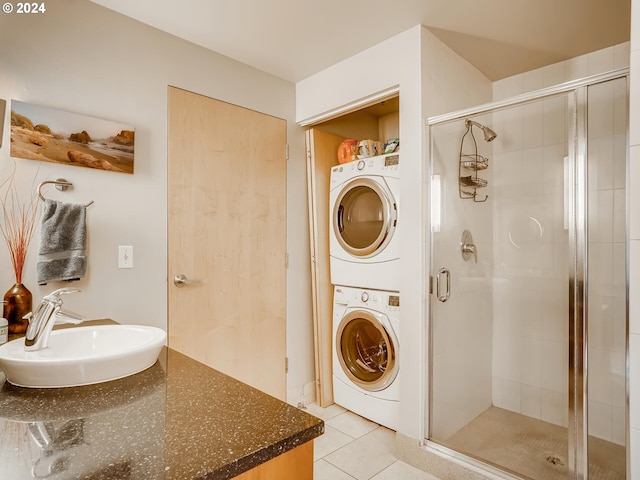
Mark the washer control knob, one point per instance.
(364, 296)
(360, 165)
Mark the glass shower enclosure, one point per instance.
(528, 312)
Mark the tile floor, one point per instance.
(355, 448)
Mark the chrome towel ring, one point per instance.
(61, 184)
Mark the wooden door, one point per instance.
(227, 233)
(322, 149)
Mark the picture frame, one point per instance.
(52, 135)
(3, 106)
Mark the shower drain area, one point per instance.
(533, 448)
(554, 459)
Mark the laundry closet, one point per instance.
(353, 220)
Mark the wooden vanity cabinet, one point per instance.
(296, 463)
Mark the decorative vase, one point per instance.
(18, 303)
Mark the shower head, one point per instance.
(489, 134)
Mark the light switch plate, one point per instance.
(125, 256)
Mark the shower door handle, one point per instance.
(443, 297)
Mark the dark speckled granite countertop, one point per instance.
(178, 419)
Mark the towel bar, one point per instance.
(60, 183)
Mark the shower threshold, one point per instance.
(532, 448)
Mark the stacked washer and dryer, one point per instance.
(364, 248)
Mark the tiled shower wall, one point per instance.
(530, 331)
(607, 140)
(634, 243)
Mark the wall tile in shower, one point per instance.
(533, 80)
(634, 299)
(553, 74)
(634, 193)
(600, 420)
(601, 61)
(635, 459)
(634, 390)
(530, 403)
(601, 162)
(577, 67)
(621, 55)
(532, 119)
(634, 98)
(553, 407)
(601, 216)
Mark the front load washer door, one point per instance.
(366, 350)
(364, 217)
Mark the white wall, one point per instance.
(87, 59)
(446, 87)
(461, 327)
(634, 236)
(582, 66)
(350, 81)
(450, 83)
(432, 79)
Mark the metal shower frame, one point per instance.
(578, 421)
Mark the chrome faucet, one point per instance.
(468, 247)
(49, 312)
(55, 442)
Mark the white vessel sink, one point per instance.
(83, 356)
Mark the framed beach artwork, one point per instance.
(52, 135)
(3, 104)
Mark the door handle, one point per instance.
(181, 280)
(443, 297)
(341, 218)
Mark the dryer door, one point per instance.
(364, 216)
(366, 350)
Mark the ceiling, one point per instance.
(293, 39)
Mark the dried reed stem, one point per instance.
(18, 225)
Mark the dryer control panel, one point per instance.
(357, 297)
(392, 161)
(394, 301)
(387, 165)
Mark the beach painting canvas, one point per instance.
(3, 104)
(52, 135)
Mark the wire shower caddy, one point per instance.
(469, 165)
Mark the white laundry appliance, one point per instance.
(366, 353)
(364, 243)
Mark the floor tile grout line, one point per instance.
(345, 433)
(346, 473)
(334, 451)
(352, 439)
